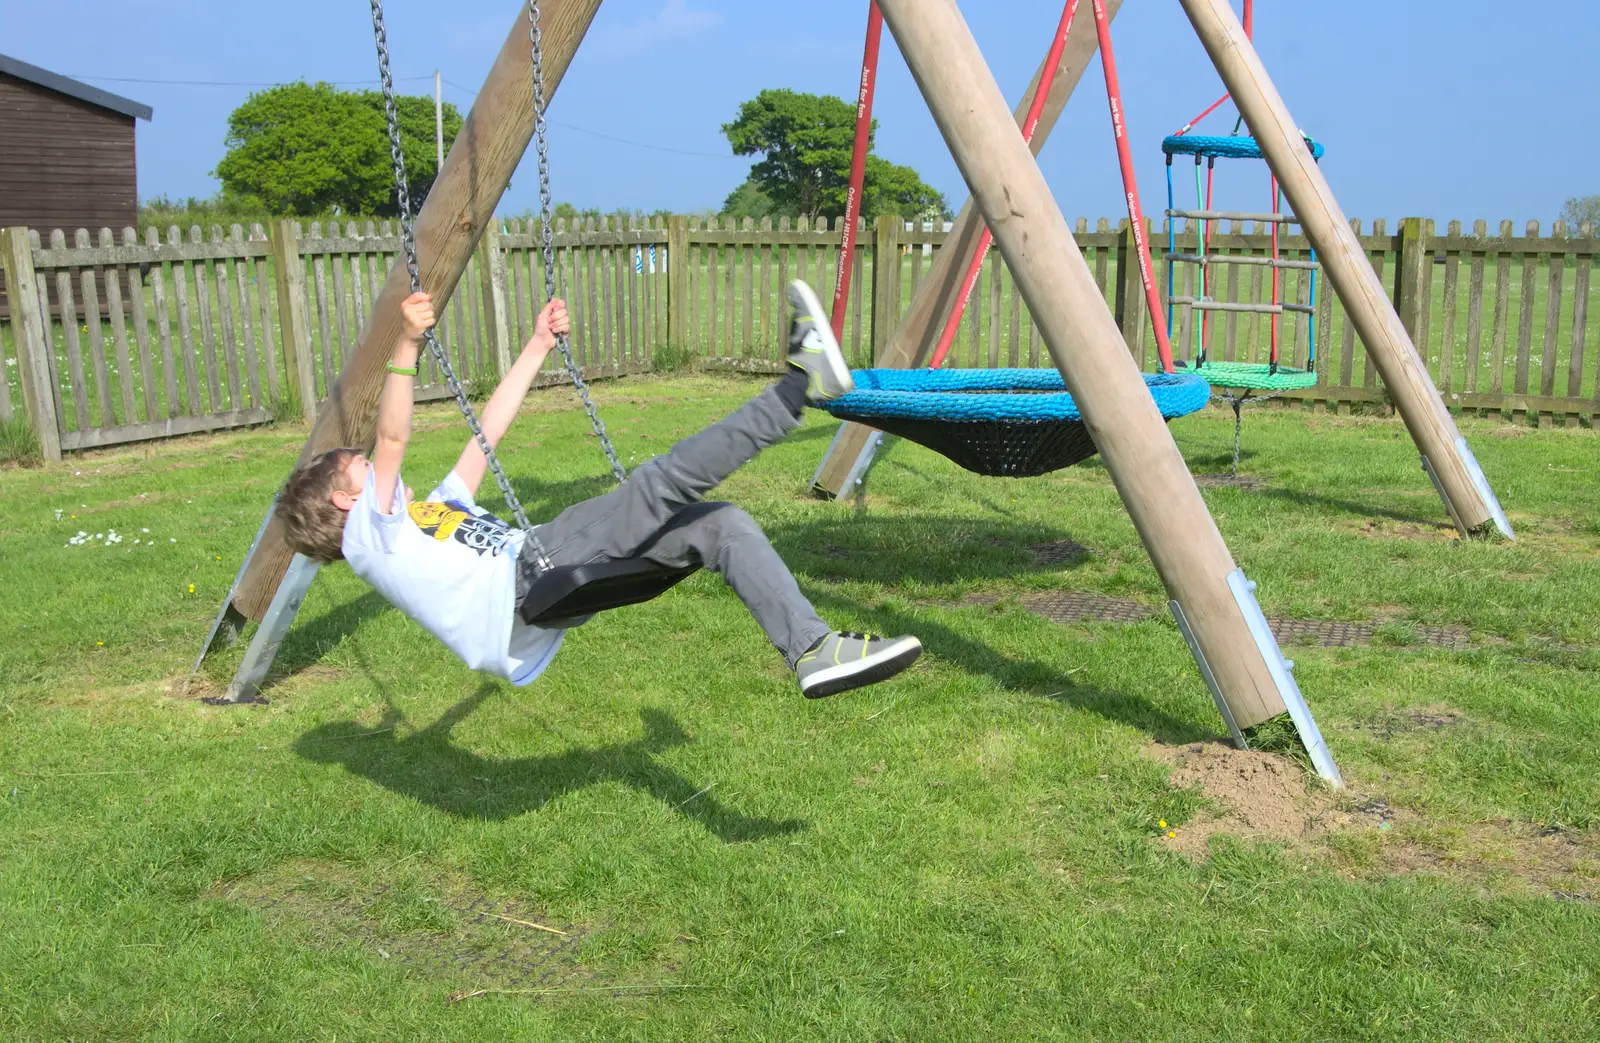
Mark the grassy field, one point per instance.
(978, 850)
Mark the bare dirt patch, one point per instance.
(441, 929)
(1242, 482)
(1435, 718)
(1261, 797)
(1390, 529)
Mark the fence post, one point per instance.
(1411, 280)
(678, 281)
(1130, 293)
(31, 334)
(497, 320)
(885, 279)
(294, 320)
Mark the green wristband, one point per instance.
(403, 372)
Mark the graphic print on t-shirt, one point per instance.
(453, 520)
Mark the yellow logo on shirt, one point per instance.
(438, 520)
(454, 520)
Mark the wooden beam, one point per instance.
(461, 204)
(1368, 307)
(913, 339)
(1071, 314)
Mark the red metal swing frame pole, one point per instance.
(953, 325)
(1205, 274)
(1129, 183)
(1130, 186)
(1249, 28)
(858, 167)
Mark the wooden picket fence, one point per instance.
(121, 340)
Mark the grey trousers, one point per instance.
(659, 513)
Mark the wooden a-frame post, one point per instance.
(1445, 455)
(850, 453)
(492, 140)
(1215, 606)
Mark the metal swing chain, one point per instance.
(547, 238)
(408, 243)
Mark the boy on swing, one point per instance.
(462, 573)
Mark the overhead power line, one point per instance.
(613, 137)
(231, 83)
(409, 79)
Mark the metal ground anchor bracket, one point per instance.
(246, 685)
(1207, 675)
(1479, 482)
(1282, 674)
(229, 622)
(858, 470)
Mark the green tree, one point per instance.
(1580, 209)
(805, 141)
(304, 149)
(748, 200)
(890, 188)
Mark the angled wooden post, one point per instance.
(460, 205)
(912, 341)
(1212, 601)
(1445, 454)
(32, 333)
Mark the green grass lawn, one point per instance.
(972, 851)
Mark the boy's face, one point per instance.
(356, 467)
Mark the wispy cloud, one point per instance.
(675, 21)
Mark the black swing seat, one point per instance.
(567, 594)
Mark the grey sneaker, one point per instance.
(812, 346)
(840, 662)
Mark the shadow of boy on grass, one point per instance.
(426, 766)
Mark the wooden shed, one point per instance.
(67, 160)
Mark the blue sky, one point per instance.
(1408, 95)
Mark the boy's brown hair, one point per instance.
(315, 527)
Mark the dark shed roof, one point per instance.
(73, 88)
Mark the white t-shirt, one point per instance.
(451, 566)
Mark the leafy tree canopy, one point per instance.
(805, 141)
(1580, 209)
(306, 149)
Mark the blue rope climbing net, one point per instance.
(1206, 150)
(1235, 146)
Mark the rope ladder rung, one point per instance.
(1269, 262)
(1234, 215)
(1207, 304)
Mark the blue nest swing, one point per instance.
(1233, 146)
(1012, 423)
